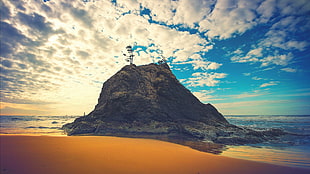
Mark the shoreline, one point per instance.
(105, 154)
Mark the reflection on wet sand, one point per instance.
(280, 156)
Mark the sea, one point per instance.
(292, 150)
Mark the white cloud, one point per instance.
(189, 12)
(256, 56)
(289, 7)
(213, 65)
(272, 83)
(283, 59)
(244, 59)
(205, 95)
(257, 78)
(161, 10)
(129, 5)
(199, 63)
(267, 9)
(203, 65)
(221, 19)
(257, 52)
(229, 18)
(185, 12)
(245, 95)
(238, 51)
(205, 79)
(279, 39)
(289, 69)
(288, 20)
(294, 20)
(246, 74)
(252, 56)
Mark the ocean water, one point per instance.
(40, 125)
(293, 150)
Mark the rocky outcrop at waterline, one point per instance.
(148, 101)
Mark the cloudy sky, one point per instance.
(245, 57)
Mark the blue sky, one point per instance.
(244, 57)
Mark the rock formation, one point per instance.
(148, 101)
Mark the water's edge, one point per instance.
(293, 151)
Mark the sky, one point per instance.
(244, 57)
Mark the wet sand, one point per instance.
(112, 155)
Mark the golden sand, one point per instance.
(113, 155)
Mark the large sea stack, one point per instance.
(148, 101)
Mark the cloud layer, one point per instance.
(57, 54)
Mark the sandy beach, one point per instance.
(24, 154)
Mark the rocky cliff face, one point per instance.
(150, 92)
(148, 101)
